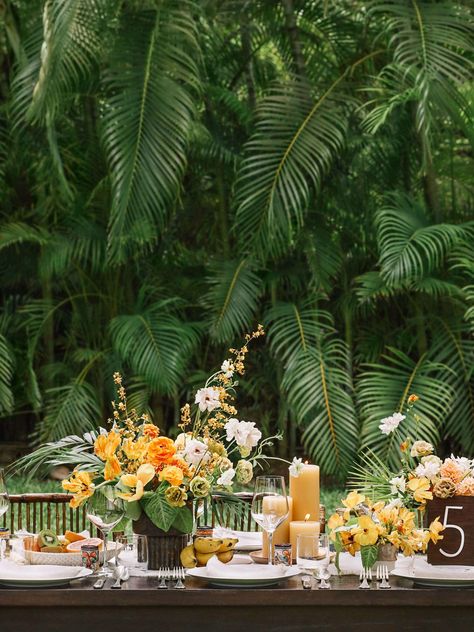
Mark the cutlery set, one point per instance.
(381, 576)
(121, 574)
(169, 575)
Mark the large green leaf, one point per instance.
(157, 509)
(232, 300)
(147, 113)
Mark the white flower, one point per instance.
(421, 448)
(389, 424)
(227, 368)
(432, 459)
(394, 504)
(225, 479)
(428, 470)
(208, 399)
(181, 440)
(196, 452)
(397, 484)
(296, 467)
(245, 433)
(463, 463)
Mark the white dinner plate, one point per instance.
(24, 576)
(438, 576)
(233, 582)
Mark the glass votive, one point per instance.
(282, 554)
(132, 551)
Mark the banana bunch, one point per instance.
(203, 549)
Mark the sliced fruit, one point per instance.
(52, 549)
(207, 545)
(74, 547)
(203, 558)
(72, 536)
(187, 557)
(46, 537)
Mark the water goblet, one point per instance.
(269, 506)
(4, 507)
(105, 511)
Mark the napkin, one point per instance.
(217, 569)
(422, 568)
(246, 538)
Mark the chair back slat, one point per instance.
(34, 512)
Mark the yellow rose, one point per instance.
(172, 474)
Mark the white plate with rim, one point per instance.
(438, 576)
(24, 576)
(202, 573)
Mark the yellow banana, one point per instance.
(207, 545)
(188, 558)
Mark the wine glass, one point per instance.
(105, 512)
(4, 506)
(269, 506)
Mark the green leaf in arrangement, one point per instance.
(147, 113)
(183, 520)
(369, 555)
(133, 510)
(232, 299)
(158, 510)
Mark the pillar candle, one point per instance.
(301, 527)
(282, 533)
(304, 489)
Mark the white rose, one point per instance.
(421, 448)
(389, 424)
(226, 478)
(296, 467)
(181, 440)
(427, 470)
(208, 399)
(196, 452)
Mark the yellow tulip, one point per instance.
(105, 446)
(366, 532)
(112, 468)
(420, 488)
(135, 450)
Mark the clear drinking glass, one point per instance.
(105, 512)
(132, 551)
(4, 507)
(312, 556)
(269, 506)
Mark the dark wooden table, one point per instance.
(139, 606)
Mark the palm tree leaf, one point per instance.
(409, 246)
(155, 344)
(7, 364)
(232, 299)
(383, 388)
(146, 121)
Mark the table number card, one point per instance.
(457, 545)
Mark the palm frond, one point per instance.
(146, 120)
(7, 364)
(155, 344)
(232, 299)
(383, 388)
(411, 247)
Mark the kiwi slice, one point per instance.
(46, 537)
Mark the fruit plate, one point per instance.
(22, 576)
(254, 581)
(65, 559)
(438, 576)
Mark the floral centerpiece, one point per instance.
(391, 506)
(154, 474)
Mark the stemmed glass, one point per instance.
(269, 506)
(4, 504)
(105, 512)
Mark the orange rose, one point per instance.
(150, 430)
(172, 474)
(177, 461)
(161, 450)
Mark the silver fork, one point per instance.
(364, 576)
(384, 584)
(163, 575)
(179, 575)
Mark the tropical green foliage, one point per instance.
(174, 172)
